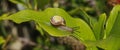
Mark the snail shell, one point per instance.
(60, 23)
(57, 21)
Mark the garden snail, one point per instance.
(59, 22)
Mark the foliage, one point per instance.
(94, 33)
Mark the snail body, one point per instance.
(66, 29)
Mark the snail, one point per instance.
(57, 21)
(60, 23)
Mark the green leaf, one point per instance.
(98, 27)
(40, 18)
(86, 33)
(25, 15)
(112, 41)
(1, 40)
(112, 19)
(43, 20)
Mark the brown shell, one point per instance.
(57, 21)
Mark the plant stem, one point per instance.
(29, 5)
(36, 4)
